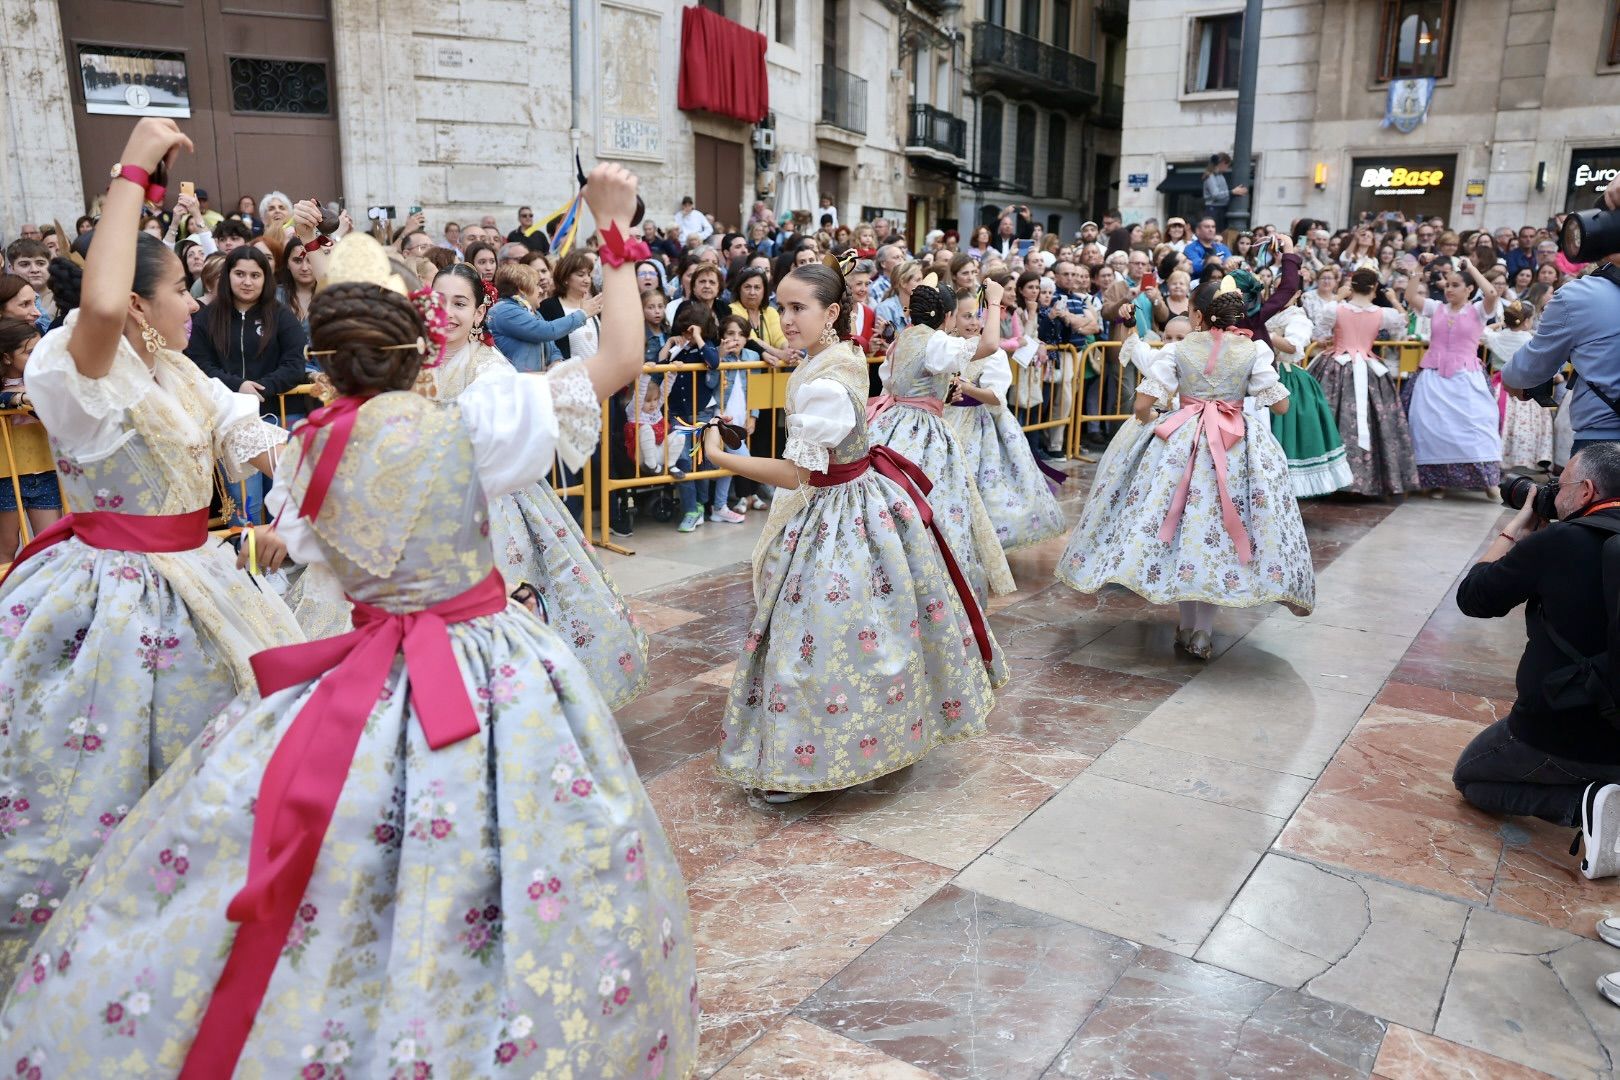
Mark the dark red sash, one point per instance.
(304, 779)
(147, 533)
(903, 471)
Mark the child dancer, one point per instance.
(126, 628)
(537, 541)
(867, 649)
(1016, 494)
(41, 495)
(1197, 508)
(423, 852)
(1361, 391)
(908, 417)
(1308, 431)
(1527, 428)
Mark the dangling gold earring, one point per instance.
(151, 339)
(829, 336)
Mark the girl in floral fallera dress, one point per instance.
(424, 851)
(1196, 507)
(866, 650)
(1015, 492)
(124, 629)
(537, 541)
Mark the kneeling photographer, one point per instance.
(1581, 326)
(1556, 755)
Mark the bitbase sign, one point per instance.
(1413, 184)
(1402, 181)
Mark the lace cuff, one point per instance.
(805, 454)
(1153, 386)
(242, 442)
(1271, 395)
(579, 413)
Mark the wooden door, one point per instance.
(259, 77)
(718, 165)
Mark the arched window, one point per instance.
(1024, 157)
(990, 136)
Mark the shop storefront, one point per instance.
(1416, 185)
(1589, 173)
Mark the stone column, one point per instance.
(39, 152)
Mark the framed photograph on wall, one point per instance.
(123, 81)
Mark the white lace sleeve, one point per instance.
(1394, 322)
(822, 417)
(996, 377)
(947, 352)
(1162, 376)
(86, 417)
(579, 412)
(239, 433)
(1265, 386)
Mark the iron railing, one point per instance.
(935, 129)
(843, 99)
(1006, 57)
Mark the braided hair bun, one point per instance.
(931, 303)
(828, 287)
(1221, 310)
(66, 279)
(358, 327)
(1364, 281)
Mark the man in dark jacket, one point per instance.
(1560, 765)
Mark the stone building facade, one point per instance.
(1523, 121)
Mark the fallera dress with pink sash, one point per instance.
(1197, 504)
(1455, 423)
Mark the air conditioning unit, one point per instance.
(764, 139)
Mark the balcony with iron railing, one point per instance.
(1114, 16)
(843, 99)
(1005, 59)
(935, 133)
(1111, 109)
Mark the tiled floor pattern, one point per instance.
(1151, 867)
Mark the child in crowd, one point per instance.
(693, 396)
(862, 317)
(734, 398)
(649, 433)
(1527, 428)
(41, 496)
(31, 261)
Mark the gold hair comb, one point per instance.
(420, 345)
(842, 263)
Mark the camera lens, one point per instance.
(1515, 490)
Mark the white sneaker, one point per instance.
(1609, 986)
(1609, 930)
(1600, 831)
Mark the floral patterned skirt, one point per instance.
(1117, 542)
(1015, 492)
(927, 441)
(105, 677)
(505, 905)
(859, 660)
(1386, 466)
(537, 541)
(1527, 431)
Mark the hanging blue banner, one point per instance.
(1408, 103)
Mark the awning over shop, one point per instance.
(1182, 182)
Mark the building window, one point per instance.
(1415, 39)
(1024, 158)
(1217, 44)
(995, 12)
(1611, 55)
(1060, 24)
(786, 13)
(1030, 21)
(1057, 152)
(279, 86)
(990, 137)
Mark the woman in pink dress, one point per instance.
(1360, 389)
(1451, 410)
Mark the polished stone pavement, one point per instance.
(1151, 867)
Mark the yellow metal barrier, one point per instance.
(1409, 354)
(28, 451)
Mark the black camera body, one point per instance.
(1517, 488)
(1590, 235)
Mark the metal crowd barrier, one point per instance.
(1409, 353)
(28, 451)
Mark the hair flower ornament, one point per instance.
(435, 318)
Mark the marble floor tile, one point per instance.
(666, 727)
(799, 1050)
(781, 918)
(1170, 1017)
(1526, 993)
(970, 987)
(1439, 702)
(1412, 1055)
(1340, 937)
(709, 821)
(1386, 806)
(1147, 646)
(1060, 726)
(1062, 682)
(1285, 725)
(720, 676)
(655, 618)
(952, 805)
(1326, 657)
(1144, 864)
(1215, 780)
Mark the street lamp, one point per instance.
(1237, 211)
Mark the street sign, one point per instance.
(1137, 180)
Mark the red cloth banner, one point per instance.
(722, 67)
